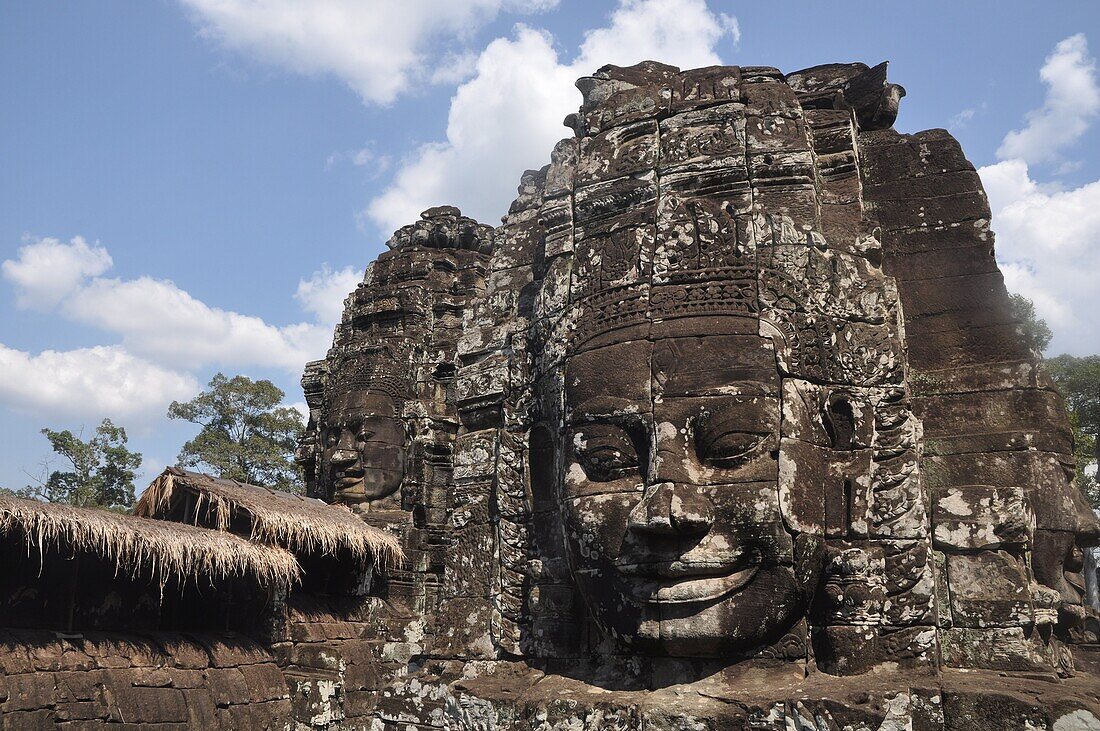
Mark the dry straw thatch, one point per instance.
(138, 546)
(301, 524)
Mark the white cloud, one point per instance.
(156, 319)
(455, 68)
(375, 165)
(1048, 236)
(324, 292)
(679, 32)
(963, 118)
(366, 156)
(380, 48)
(504, 120)
(1048, 243)
(509, 115)
(166, 335)
(47, 270)
(1072, 102)
(89, 383)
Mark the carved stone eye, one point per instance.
(608, 463)
(730, 436)
(728, 448)
(606, 453)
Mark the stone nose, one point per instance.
(669, 509)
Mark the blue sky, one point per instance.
(193, 186)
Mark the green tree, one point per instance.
(102, 469)
(1034, 329)
(245, 434)
(1079, 381)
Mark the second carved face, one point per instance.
(363, 447)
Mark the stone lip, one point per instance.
(702, 589)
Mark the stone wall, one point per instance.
(325, 671)
(131, 680)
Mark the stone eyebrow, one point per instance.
(595, 410)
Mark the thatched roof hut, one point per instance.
(300, 524)
(139, 546)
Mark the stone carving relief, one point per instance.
(363, 440)
(726, 426)
(715, 420)
(382, 412)
(705, 346)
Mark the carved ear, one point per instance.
(839, 422)
(809, 560)
(547, 532)
(540, 470)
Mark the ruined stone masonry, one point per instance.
(727, 426)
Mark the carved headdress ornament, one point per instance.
(384, 369)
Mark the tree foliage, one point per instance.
(1079, 381)
(1034, 329)
(245, 434)
(102, 469)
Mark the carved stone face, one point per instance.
(1065, 526)
(362, 447)
(670, 494)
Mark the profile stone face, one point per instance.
(363, 454)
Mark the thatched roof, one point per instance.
(142, 546)
(281, 518)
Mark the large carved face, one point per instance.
(670, 494)
(362, 447)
